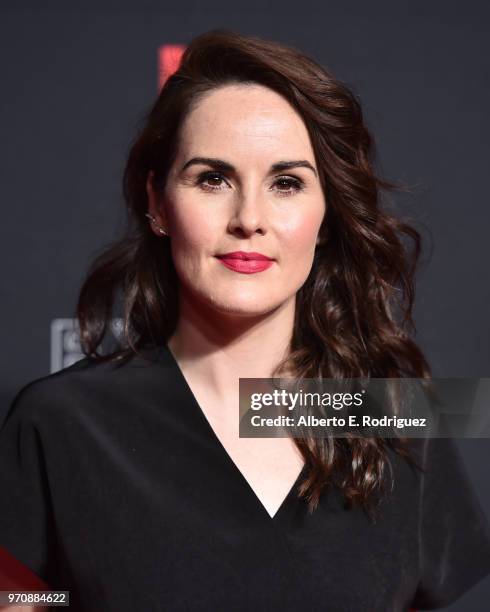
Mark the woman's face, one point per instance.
(227, 192)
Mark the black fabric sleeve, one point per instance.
(26, 517)
(454, 535)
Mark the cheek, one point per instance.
(300, 233)
(194, 230)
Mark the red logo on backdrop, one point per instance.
(169, 57)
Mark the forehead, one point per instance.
(241, 119)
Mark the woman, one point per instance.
(257, 246)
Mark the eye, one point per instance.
(292, 185)
(213, 181)
(210, 181)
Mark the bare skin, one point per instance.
(234, 325)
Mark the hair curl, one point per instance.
(354, 312)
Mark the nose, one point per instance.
(248, 215)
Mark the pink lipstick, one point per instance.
(246, 262)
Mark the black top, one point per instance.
(116, 488)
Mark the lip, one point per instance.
(246, 262)
(245, 255)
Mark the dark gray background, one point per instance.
(74, 83)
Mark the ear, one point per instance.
(155, 201)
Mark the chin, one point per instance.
(234, 301)
(242, 309)
(250, 306)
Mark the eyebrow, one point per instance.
(223, 166)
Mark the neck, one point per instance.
(217, 349)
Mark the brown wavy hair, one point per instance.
(354, 312)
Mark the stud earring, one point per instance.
(154, 221)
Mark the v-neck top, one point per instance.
(116, 488)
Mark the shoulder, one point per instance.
(84, 386)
